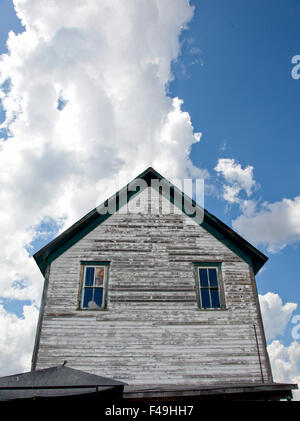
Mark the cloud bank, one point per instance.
(285, 360)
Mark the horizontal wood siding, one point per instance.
(152, 331)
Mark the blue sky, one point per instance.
(244, 94)
(234, 76)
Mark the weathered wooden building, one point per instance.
(164, 301)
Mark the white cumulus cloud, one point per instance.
(285, 363)
(275, 314)
(237, 179)
(16, 340)
(274, 225)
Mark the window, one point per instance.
(208, 286)
(94, 285)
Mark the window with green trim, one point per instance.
(208, 286)
(94, 286)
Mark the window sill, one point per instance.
(92, 309)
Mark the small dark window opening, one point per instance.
(209, 289)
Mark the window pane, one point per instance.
(99, 277)
(213, 281)
(98, 296)
(205, 298)
(203, 277)
(215, 300)
(88, 297)
(89, 276)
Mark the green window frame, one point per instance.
(93, 285)
(209, 287)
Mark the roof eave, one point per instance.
(42, 256)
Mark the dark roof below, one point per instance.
(53, 382)
(249, 391)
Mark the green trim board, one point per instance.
(94, 218)
(208, 264)
(94, 263)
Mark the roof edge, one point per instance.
(93, 218)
